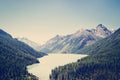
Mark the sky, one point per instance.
(40, 20)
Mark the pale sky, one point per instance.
(40, 20)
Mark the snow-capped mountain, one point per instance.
(78, 40)
(30, 43)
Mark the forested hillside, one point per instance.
(14, 57)
(102, 64)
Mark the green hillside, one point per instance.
(106, 45)
(102, 64)
(14, 57)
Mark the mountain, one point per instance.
(4, 33)
(76, 41)
(14, 57)
(101, 45)
(34, 45)
(101, 64)
(102, 31)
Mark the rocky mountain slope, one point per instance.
(76, 41)
(102, 64)
(30, 43)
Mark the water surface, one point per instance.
(49, 62)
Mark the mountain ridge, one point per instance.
(14, 57)
(2, 32)
(32, 44)
(101, 64)
(78, 40)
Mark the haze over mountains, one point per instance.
(30, 43)
(100, 43)
(14, 57)
(76, 41)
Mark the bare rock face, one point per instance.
(78, 40)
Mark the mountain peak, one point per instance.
(117, 31)
(78, 33)
(2, 32)
(101, 26)
(57, 35)
(24, 38)
(102, 31)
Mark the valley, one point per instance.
(60, 40)
(51, 61)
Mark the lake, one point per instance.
(51, 61)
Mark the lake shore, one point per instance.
(43, 69)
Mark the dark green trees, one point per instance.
(102, 64)
(14, 57)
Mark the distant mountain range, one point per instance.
(14, 57)
(30, 43)
(103, 62)
(101, 44)
(76, 41)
